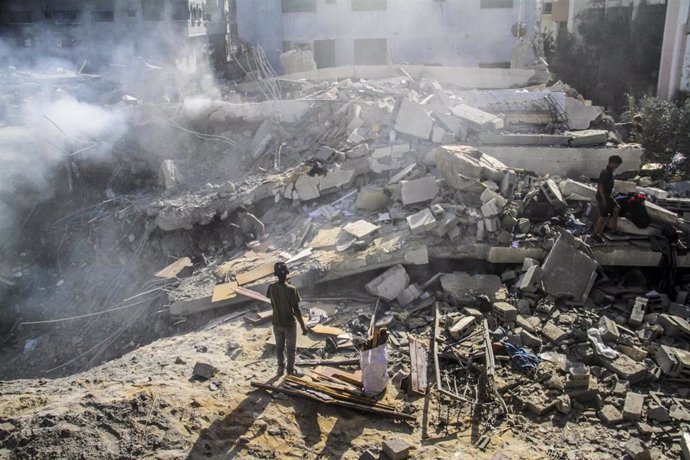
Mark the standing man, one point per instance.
(285, 302)
(607, 205)
(248, 227)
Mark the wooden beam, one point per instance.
(174, 268)
(418, 365)
(334, 402)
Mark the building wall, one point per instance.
(674, 69)
(444, 32)
(116, 31)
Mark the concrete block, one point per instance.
(505, 312)
(553, 194)
(438, 134)
(481, 230)
(638, 311)
(396, 449)
(488, 195)
(529, 323)
(477, 118)
(568, 272)
(632, 410)
(413, 120)
(658, 413)
(490, 208)
(421, 221)
(626, 368)
(492, 225)
(204, 370)
(360, 229)
(524, 225)
(460, 326)
(307, 187)
(529, 262)
(609, 329)
(463, 288)
(570, 187)
(553, 333)
(636, 353)
(530, 281)
(389, 284)
(673, 362)
(409, 295)
(531, 340)
(404, 174)
(610, 415)
(637, 450)
(419, 190)
(372, 199)
(446, 222)
(336, 178)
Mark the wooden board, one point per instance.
(353, 378)
(255, 274)
(224, 291)
(326, 330)
(174, 268)
(253, 294)
(418, 362)
(256, 318)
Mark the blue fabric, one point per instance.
(522, 358)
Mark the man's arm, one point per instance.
(297, 313)
(600, 193)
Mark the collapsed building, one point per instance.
(449, 205)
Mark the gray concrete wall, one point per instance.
(563, 161)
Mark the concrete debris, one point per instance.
(568, 272)
(422, 221)
(390, 284)
(413, 120)
(419, 190)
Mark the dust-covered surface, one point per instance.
(146, 405)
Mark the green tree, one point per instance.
(613, 54)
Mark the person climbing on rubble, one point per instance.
(285, 302)
(607, 205)
(248, 227)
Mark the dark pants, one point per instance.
(286, 338)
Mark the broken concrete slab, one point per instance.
(478, 119)
(396, 449)
(457, 163)
(610, 415)
(568, 272)
(419, 190)
(553, 194)
(413, 120)
(360, 229)
(674, 362)
(588, 137)
(626, 368)
(421, 221)
(579, 114)
(554, 333)
(389, 284)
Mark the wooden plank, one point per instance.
(256, 318)
(418, 365)
(255, 274)
(329, 362)
(224, 291)
(353, 378)
(253, 294)
(334, 402)
(174, 268)
(326, 330)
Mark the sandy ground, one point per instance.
(146, 405)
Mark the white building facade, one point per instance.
(470, 33)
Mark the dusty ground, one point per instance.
(145, 405)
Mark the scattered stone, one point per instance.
(637, 450)
(610, 415)
(632, 409)
(396, 449)
(204, 371)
